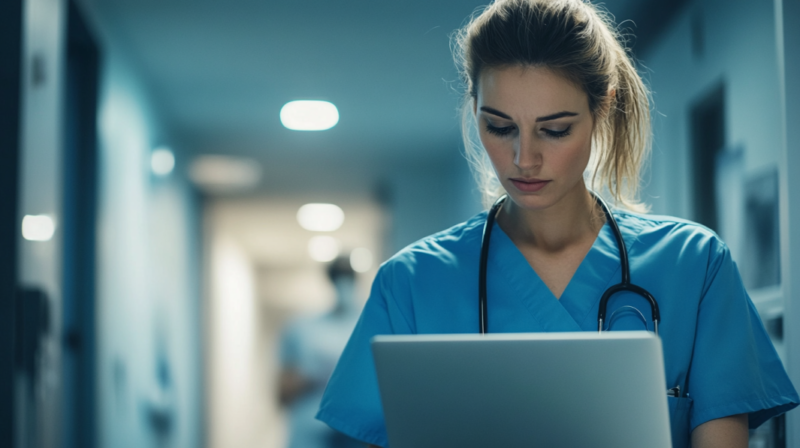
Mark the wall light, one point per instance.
(361, 259)
(38, 227)
(162, 161)
(309, 115)
(320, 217)
(323, 248)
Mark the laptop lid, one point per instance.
(533, 389)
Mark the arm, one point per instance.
(351, 403)
(727, 432)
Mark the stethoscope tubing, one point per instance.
(624, 285)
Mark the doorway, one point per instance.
(707, 130)
(79, 227)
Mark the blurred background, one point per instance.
(160, 285)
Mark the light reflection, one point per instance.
(323, 248)
(320, 217)
(162, 161)
(38, 227)
(361, 259)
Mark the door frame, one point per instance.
(10, 88)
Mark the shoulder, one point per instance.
(679, 238)
(437, 253)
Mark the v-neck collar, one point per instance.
(598, 270)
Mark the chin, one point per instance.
(532, 202)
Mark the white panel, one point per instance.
(40, 194)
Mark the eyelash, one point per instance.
(558, 134)
(504, 131)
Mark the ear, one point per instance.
(610, 99)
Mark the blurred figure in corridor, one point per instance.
(310, 348)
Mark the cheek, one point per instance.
(496, 149)
(573, 157)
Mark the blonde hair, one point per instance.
(580, 42)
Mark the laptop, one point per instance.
(551, 390)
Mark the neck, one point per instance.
(572, 220)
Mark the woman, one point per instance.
(554, 97)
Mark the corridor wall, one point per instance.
(148, 287)
(38, 397)
(148, 363)
(149, 338)
(737, 40)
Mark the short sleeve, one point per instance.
(735, 368)
(351, 403)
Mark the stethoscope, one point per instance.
(624, 285)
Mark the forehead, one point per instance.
(535, 91)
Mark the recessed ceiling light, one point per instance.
(320, 217)
(361, 259)
(38, 227)
(162, 161)
(309, 115)
(323, 248)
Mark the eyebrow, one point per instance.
(538, 120)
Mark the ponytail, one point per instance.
(579, 41)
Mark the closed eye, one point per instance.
(499, 131)
(557, 134)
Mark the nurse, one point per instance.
(554, 107)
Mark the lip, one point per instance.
(529, 185)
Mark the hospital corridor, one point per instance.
(200, 203)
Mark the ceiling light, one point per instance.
(320, 217)
(323, 248)
(224, 173)
(162, 161)
(38, 227)
(361, 259)
(309, 115)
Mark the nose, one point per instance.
(528, 155)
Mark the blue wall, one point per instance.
(149, 354)
(739, 51)
(430, 197)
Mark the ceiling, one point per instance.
(221, 70)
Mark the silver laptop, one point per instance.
(551, 390)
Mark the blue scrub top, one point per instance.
(715, 346)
